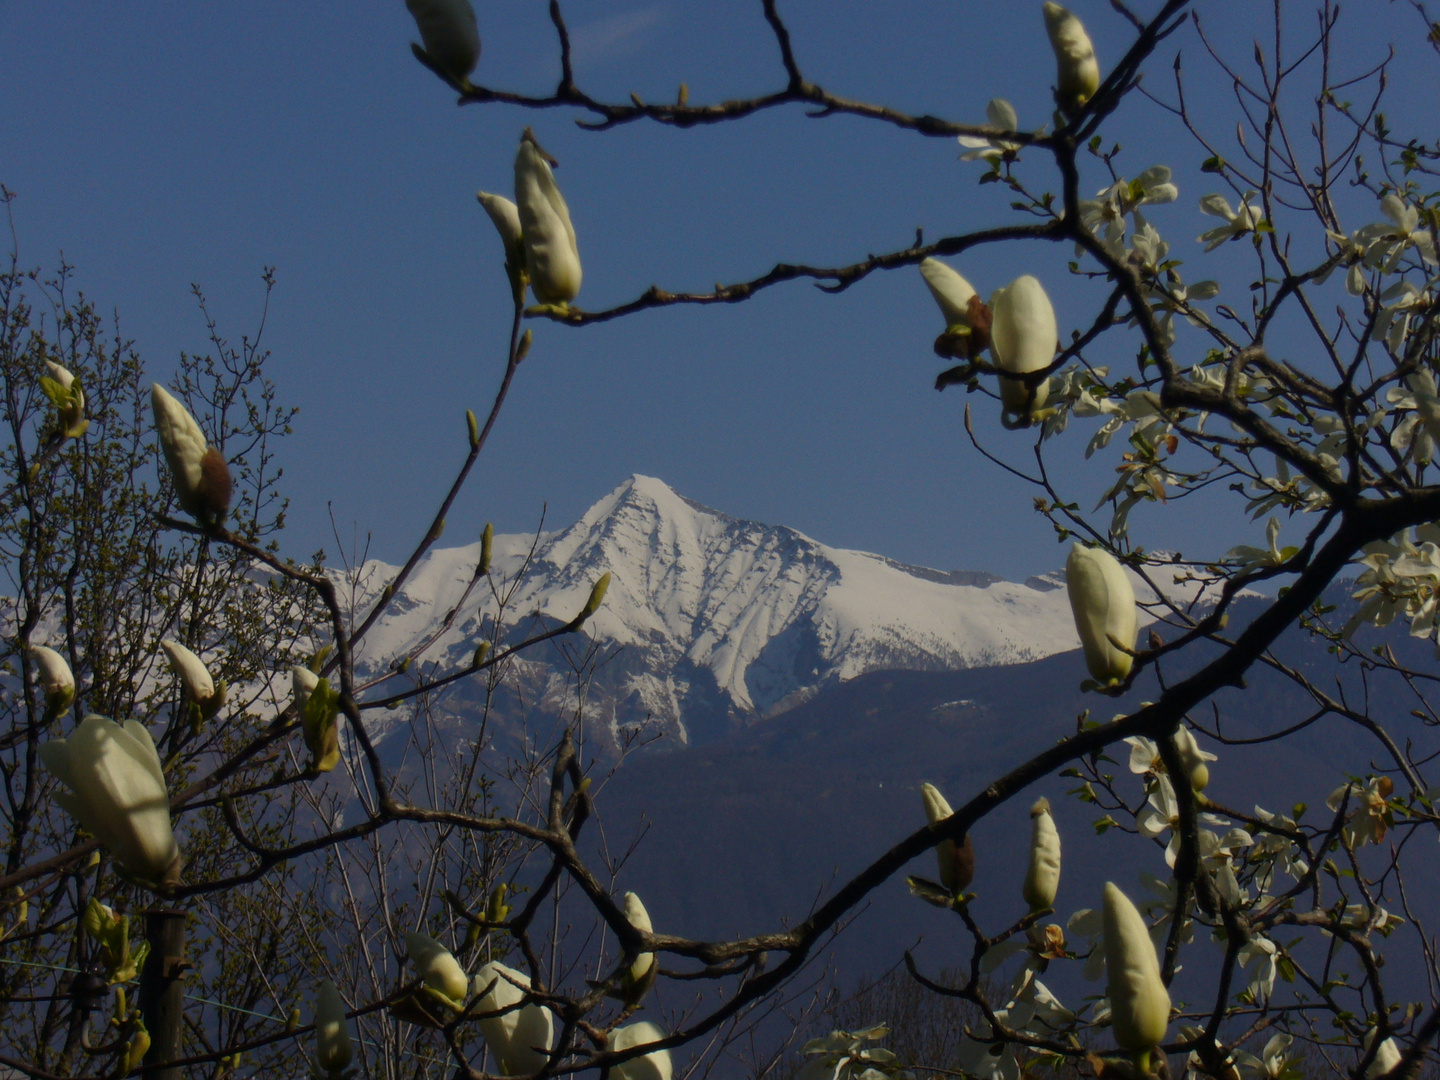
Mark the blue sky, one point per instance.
(159, 144)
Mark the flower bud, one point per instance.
(68, 398)
(655, 1065)
(552, 258)
(199, 472)
(451, 37)
(55, 679)
(1103, 604)
(967, 320)
(437, 966)
(194, 677)
(1139, 1002)
(1077, 71)
(487, 549)
(318, 706)
(332, 1031)
(1386, 1058)
(1194, 758)
(592, 605)
(137, 1047)
(957, 862)
(641, 973)
(1042, 880)
(117, 792)
(1023, 337)
(520, 1038)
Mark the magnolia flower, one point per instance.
(317, 720)
(1272, 1063)
(1260, 954)
(1001, 114)
(1387, 1057)
(332, 1031)
(552, 258)
(957, 863)
(520, 1036)
(1244, 219)
(1104, 217)
(1272, 849)
(1023, 339)
(195, 678)
(1370, 815)
(1385, 242)
(68, 398)
(644, 964)
(440, 970)
(55, 679)
(506, 217)
(1139, 1002)
(1103, 604)
(1252, 558)
(1419, 432)
(201, 477)
(452, 40)
(1077, 71)
(1043, 878)
(842, 1055)
(1194, 758)
(967, 320)
(655, 1065)
(117, 792)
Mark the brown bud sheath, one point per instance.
(214, 490)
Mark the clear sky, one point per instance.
(160, 144)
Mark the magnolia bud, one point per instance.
(318, 706)
(437, 966)
(506, 217)
(1077, 70)
(1139, 1002)
(592, 605)
(117, 792)
(68, 398)
(957, 862)
(199, 472)
(487, 549)
(552, 257)
(1042, 880)
(1386, 1058)
(1103, 604)
(967, 319)
(194, 677)
(332, 1031)
(639, 918)
(1023, 336)
(451, 37)
(519, 1038)
(472, 428)
(55, 679)
(1194, 758)
(137, 1047)
(655, 1065)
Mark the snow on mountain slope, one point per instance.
(719, 620)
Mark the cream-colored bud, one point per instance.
(951, 291)
(54, 677)
(68, 398)
(1077, 70)
(117, 791)
(1103, 604)
(332, 1030)
(450, 34)
(956, 862)
(1386, 1058)
(640, 919)
(190, 669)
(1042, 880)
(552, 256)
(437, 966)
(1194, 758)
(1139, 1002)
(199, 472)
(655, 1065)
(1023, 337)
(520, 1038)
(506, 217)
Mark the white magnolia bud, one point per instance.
(951, 291)
(552, 257)
(451, 37)
(1139, 1002)
(332, 1030)
(506, 217)
(54, 677)
(201, 477)
(520, 1038)
(1042, 880)
(1023, 337)
(655, 1065)
(640, 919)
(437, 966)
(1103, 604)
(1077, 70)
(191, 670)
(1194, 758)
(1386, 1058)
(117, 792)
(956, 864)
(302, 684)
(69, 401)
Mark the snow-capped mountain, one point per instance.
(717, 621)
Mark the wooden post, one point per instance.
(162, 990)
